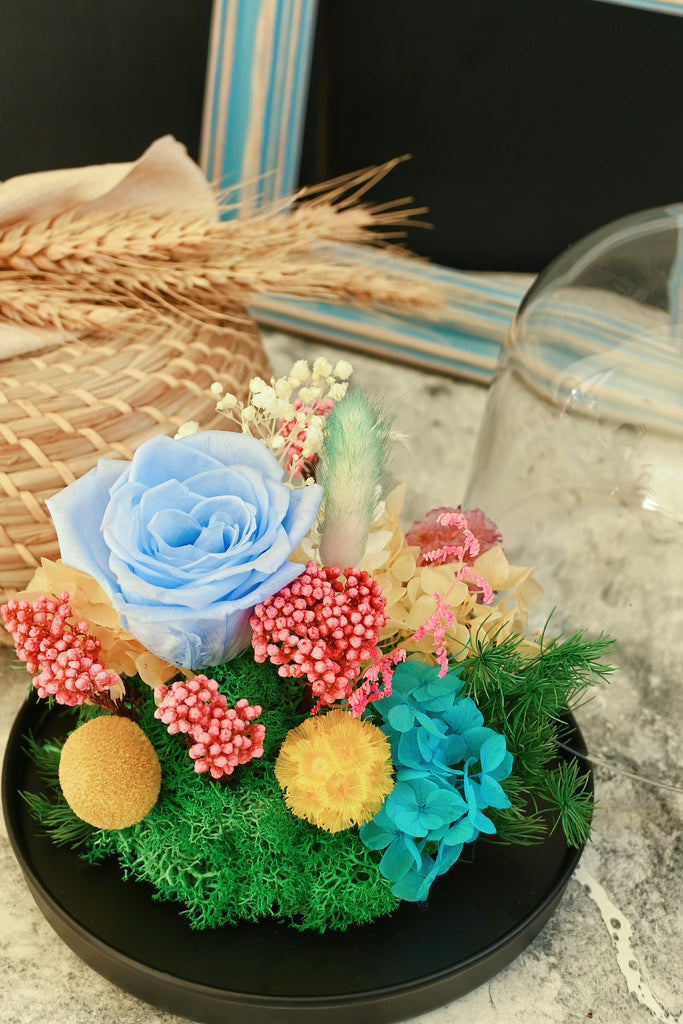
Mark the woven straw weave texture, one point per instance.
(64, 408)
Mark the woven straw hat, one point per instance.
(72, 394)
(63, 408)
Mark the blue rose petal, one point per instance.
(186, 539)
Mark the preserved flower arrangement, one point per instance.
(285, 705)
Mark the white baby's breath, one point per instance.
(322, 368)
(337, 391)
(342, 370)
(226, 403)
(300, 372)
(185, 429)
(288, 413)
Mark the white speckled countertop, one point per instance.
(612, 952)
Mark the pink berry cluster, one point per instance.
(62, 658)
(296, 434)
(223, 737)
(322, 628)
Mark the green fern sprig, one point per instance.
(45, 756)
(524, 693)
(58, 820)
(570, 796)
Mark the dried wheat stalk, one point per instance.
(132, 266)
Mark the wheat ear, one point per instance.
(129, 266)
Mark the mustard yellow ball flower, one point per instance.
(335, 770)
(109, 772)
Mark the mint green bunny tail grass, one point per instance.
(351, 470)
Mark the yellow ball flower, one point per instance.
(335, 770)
(109, 772)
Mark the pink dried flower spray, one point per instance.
(62, 657)
(451, 535)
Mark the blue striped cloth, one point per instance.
(659, 6)
(255, 98)
(467, 343)
(257, 79)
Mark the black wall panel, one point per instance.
(530, 122)
(92, 81)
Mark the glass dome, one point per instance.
(580, 455)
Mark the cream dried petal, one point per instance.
(403, 566)
(494, 567)
(529, 593)
(420, 611)
(440, 579)
(395, 499)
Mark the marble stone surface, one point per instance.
(611, 954)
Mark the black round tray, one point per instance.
(479, 917)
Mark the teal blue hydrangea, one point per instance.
(449, 767)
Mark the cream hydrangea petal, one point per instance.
(120, 652)
(403, 566)
(419, 611)
(458, 640)
(440, 579)
(518, 574)
(529, 593)
(395, 499)
(495, 568)
(376, 550)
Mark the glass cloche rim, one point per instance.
(587, 249)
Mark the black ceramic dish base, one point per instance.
(479, 917)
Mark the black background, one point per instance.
(530, 123)
(95, 81)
